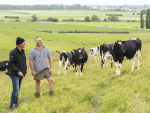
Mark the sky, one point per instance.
(81, 2)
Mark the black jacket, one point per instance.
(17, 60)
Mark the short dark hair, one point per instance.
(37, 37)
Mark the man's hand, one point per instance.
(33, 73)
(20, 74)
(50, 71)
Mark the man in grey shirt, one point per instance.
(38, 60)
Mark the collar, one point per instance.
(38, 49)
(22, 50)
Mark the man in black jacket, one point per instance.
(17, 70)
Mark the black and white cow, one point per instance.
(79, 57)
(106, 51)
(126, 50)
(4, 65)
(93, 52)
(66, 59)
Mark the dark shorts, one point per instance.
(43, 74)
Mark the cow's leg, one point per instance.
(76, 68)
(119, 66)
(73, 67)
(95, 56)
(101, 62)
(116, 64)
(138, 58)
(111, 62)
(81, 68)
(92, 55)
(65, 67)
(119, 71)
(105, 57)
(101, 54)
(133, 63)
(59, 67)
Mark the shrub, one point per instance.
(87, 19)
(105, 20)
(34, 18)
(71, 19)
(46, 31)
(127, 20)
(80, 20)
(113, 18)
(93, 32)
(55, 20)
(133, 20)
(52, 19)
(49, 19)
(14, 17)
(95, 18)
(68, 19)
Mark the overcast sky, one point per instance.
(71, 2)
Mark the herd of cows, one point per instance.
(117, 52)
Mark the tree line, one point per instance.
(147, 22)
(45, 7)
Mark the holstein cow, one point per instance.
(106, 51)
(79, 57)
(4, 65)
(94, 52)
(65, 58)
(126, 50)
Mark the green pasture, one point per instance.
(77, 14)
(96, 91)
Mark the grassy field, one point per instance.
(24, 15)
(96, 91)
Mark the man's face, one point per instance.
(38, 41)
(23, 44)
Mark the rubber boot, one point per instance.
(51, 93)
(37, 95)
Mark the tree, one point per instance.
(87, 19)
(34, 17)
(49, 19)
(133, 13)
(95, 18)
(52, 19)
(142, 20)
(55, 20)
(113, 18)
(105, 20)
(148, 19)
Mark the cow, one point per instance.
(93, 52)
(79, 57)
(4, 65)
(66, 59)
(126, 50)
(106, 51)
(57, 52)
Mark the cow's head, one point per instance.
(118, 47)
(79, 53)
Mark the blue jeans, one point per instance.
(16, 83)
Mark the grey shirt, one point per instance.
(40, 58)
